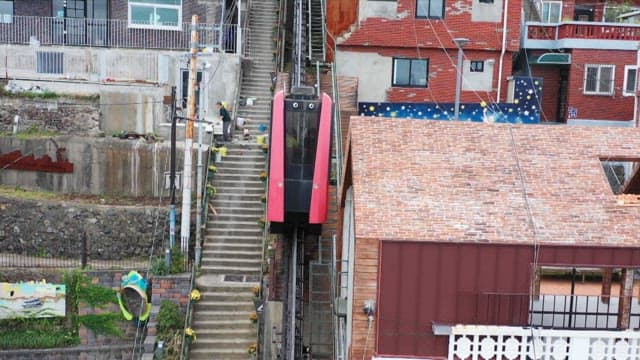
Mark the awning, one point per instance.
(551, 58)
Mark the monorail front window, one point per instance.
(301, 126)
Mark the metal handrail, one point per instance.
(184, 350)
(324, 29)
(280, 37)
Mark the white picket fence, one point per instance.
(473, 342)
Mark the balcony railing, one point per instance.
(582, 30)
(552, 311)
(469, 342)
(113, 33)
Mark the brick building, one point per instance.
(404, 51)
(450, 244)
(587, 55)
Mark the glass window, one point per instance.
(433, 9)
(630, 80)
(477, 66)
(551, 11)
(157, 14)
(410, 72)
(598, 79)
(6, 11)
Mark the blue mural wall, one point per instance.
(525, 108)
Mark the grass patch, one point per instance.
(36, 334)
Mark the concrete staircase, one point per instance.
(232, 251)
(231, 257)
(256, 91)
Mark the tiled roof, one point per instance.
(500, 183)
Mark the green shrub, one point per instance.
(169, 320)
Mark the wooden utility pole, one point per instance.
(185, 225)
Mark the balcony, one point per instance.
(581, 35)
(113, 34)
(571, 327)
(472, 342)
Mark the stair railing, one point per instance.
(184, 350)
(280, 37)
(324, 29)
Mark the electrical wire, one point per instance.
(366, 339)
(153, 236)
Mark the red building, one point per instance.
(449, 227)
(404, 50)
(587, 54)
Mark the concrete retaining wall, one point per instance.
(102, 166)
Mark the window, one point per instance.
(477, 66)
(49, 62)
(410, 72)
(432, 9)
(551, 11)
(155, 14)
(598, 79)
(6, 11)
(630, 80)
(185, 87)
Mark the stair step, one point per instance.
(231, 246)
(206, 305)
(219, 269)
(203, 351)
(227, 333)
(237, 254)
(221, 210)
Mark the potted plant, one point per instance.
(253, 317)
(262, 222)
(195, 295)
(190, 335)
(211, 190)
(264, 176)
(252, 350)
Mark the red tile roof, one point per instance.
(499, 183)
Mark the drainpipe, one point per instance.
(504, 47)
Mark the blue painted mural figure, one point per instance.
(525, 108)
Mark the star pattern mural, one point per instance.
(525, 108)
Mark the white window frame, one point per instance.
(550, 3)
(626, 78)
(133, 3)
(598, 91)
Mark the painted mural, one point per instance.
(525, 108)
(31, 300)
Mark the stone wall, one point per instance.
(49, 230)
(62, 115)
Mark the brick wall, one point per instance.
(604, 107)
(410, 32)
(365, 287)
(32, 7)
(551, 86)
(108, 279)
